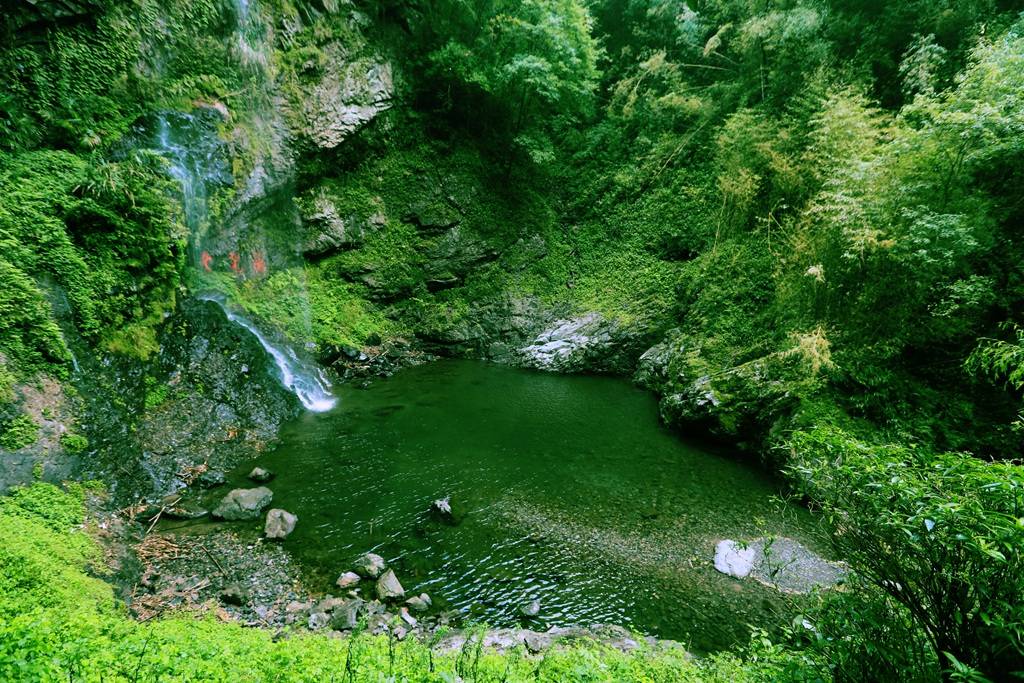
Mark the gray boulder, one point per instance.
(317, 621)
(348, 580)
(369, 566)
(419, 603)
(388, 587)
(243, 503)
(279, 524)
(346, 616)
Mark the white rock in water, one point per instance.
(733, 559)
(279, 524)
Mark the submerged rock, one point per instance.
(243, 503)
(530, 609)
(261, 475)
(369, 566)
(279, 524)
(388, 587)
(781, 563)
(211, 479)
(184, 512)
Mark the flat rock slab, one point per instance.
(780, 563)
(565, 345)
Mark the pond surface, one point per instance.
(570, 493)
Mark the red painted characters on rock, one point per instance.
(206, 260)
(259, 263)
(235, 262)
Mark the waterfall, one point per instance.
(199, 160)
(304, 379)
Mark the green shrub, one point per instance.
(20, 432)
(939, 536)
(74, 443)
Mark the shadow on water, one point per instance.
(570, 493)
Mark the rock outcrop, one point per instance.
(589, 342)
(741, 403)
(348, 94)
(330, 225)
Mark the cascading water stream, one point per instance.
(303, 379)
(198, 162)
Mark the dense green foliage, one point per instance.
(937, 537)
(818, 201)
(58, 622)
(19, 432)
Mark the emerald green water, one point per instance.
(571, 491)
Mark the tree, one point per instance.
(534, 65)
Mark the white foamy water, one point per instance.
(303, 379)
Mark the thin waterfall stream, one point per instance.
(198, 161)
(303, 378)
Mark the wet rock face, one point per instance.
(347, 95)
(243, 504)
(329, 225)
(588, 342)
(221, 405)
(47, 405)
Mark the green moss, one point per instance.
(156, 392)
(19, 432)
(74, 443)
